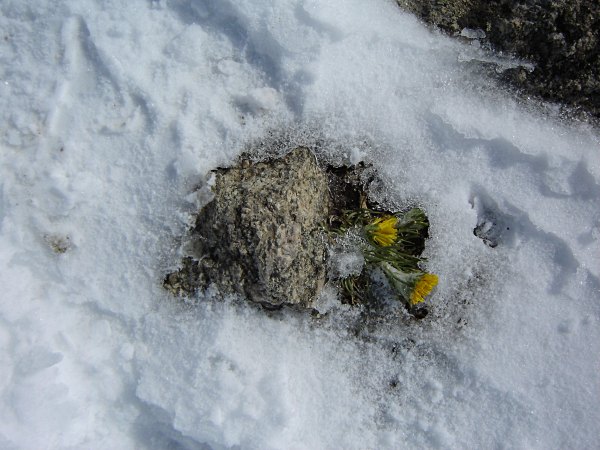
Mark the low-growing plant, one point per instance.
(393, 243)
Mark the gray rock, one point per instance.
(262, 234)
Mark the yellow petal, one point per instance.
(423, 288)
(385, 232)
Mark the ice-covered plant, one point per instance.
(393, 243)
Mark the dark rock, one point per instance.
(560, 37)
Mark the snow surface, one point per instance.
(112, 112)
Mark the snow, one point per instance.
(113, 112)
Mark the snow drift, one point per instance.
(111, 114)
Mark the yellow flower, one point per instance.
(423, 287)
(412, 287)
(383, 230)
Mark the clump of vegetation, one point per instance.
(59, 244)
(391, 242)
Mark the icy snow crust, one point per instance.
(111, 112)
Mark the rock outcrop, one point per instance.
(560, 37)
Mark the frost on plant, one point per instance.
(391, 242)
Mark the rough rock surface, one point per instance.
(561, 37)
(262, 235)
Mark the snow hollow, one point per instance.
(112, 112)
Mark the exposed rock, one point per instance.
(560, 36)
(276, 231)
(262, 235)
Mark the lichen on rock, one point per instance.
(262, 234)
